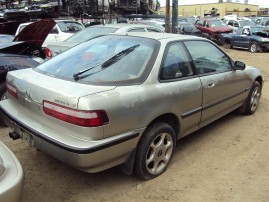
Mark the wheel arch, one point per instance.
(260, 80)
(169, 118)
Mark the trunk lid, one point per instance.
(33, 88)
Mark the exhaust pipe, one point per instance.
(14, 136)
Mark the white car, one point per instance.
(11, 175)
(235, 23)
(92, 31)
(61, 31)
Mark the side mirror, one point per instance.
(239, 65)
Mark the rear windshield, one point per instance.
(89, 33)
(131, 67)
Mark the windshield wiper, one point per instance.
(108, 62)
(75, 76)
(117, 57)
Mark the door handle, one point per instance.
(210, 85)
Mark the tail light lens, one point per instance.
(12, 90)
(48, 53)
(78, 117)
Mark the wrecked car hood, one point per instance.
(37, 32)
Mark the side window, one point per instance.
(230, 22)
(236, 24)
(137, 30)
(153, 30)
(199, 23)
(207, 57)
(176, 63)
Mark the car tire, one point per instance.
(3, 91)
(228, 45)
(253, 48)
(253, 99)
(3, 96)
(155, 151)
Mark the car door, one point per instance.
(242, 39)
(224, 89)
(182, 87)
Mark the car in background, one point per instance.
(235, 23)
(34, 8)
(125, 99)
(211, 28)
(93, 31)
(255, 39)
(188, 28)
(61, 31)
(152, 23)
(11, 175)
(262, 20)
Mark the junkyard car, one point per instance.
(254, 39)
(126, 99)
(61, 31)
(11, 175)
(235, 23)
(211, 28)
(93, 31)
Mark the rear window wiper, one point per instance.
(108, 62)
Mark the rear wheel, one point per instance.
(155, 151)
(253, 99)
(3, 93)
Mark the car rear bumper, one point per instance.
(89, 156)
(11, 182)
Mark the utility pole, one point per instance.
(103, 11)
(167, 17)
(175, 17)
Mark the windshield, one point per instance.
(131, 68)
(89, 33)
(217, 23)
(69, 26)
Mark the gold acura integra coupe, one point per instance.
(126, 99)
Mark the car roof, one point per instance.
(121, 25)
(162, 36)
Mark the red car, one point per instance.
(211, 28)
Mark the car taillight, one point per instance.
(84, 118)
(48, 53)
(12, 90)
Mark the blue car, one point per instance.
(255, 39)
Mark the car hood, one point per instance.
(35, 87)
(37, 32)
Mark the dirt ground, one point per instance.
(225, 161)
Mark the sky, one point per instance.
(261, 3)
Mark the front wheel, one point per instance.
(3, 96)
(155, 150)
(253, 48)
(253, 99)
